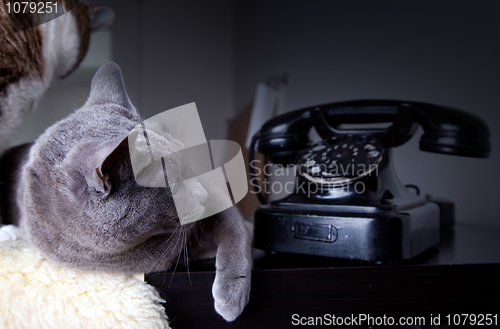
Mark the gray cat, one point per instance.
(74, 197)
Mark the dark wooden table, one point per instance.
(461, 275)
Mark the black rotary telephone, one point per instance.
(347, 201)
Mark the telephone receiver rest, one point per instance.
(446, 130)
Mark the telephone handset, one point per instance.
(310, 223)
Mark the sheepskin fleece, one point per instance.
(35, 293)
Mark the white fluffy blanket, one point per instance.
(35, 293)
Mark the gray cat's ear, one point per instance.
(98, 164)
(108, 87)
(101, 17)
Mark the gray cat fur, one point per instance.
(78, 219)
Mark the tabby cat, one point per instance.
(31, 59)
(74, 197)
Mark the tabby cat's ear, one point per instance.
(101, 17)
(108, 87)
(100, 162)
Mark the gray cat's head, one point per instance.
(79, 201)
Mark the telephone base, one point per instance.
(381, 236)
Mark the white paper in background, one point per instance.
(264, 105)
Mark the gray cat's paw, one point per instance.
(231, 293)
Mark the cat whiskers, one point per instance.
(186, 258)
(174, 237)
(183, 240)
(195, 233)
(179, 235)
